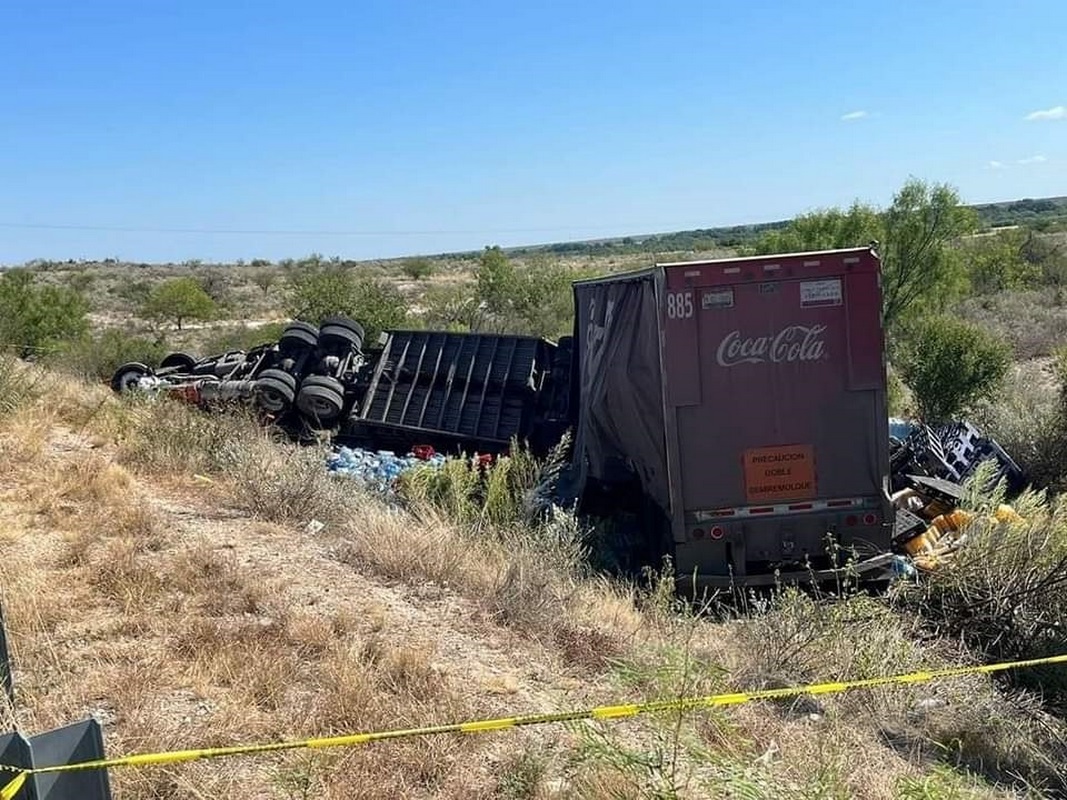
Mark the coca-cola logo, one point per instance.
(793, 343)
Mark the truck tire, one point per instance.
(298, 337)
(275, 390)
(125, 378)
(339, 334)
(321, 398)
(182, 362)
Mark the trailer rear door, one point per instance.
(774, 379)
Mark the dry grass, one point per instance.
(1034, 322)
(137, 594)
(1029, 420)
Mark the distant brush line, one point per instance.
(296, 232)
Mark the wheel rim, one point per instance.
(130, 379)
(271, 399)
(321, 407)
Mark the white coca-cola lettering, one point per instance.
(793, 343)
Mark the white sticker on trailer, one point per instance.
(820, 293)
(722, 298)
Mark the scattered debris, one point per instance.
(929, 466)
(951, 452)
(378, 469)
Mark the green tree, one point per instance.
(1047, 254)
(265, 278)
(81, 281)
(179, 299)
(997, 261)
(533, 299)
(920, 267)
(378, 305)
(915, 235)
(417, 268)
(826, 229)
(98, 355)
(214, 283)
(315, 291)
(547, 299)
(36, 317)
(950, 365)
(497, 281)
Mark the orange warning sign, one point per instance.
(779, 473)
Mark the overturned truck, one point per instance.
(733, 411)
(742, 403)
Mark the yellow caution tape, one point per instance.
(11, 790)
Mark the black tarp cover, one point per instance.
(620, 386)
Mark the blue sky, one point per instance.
(376, 129)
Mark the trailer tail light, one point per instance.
(851, 520)
(869, 519)
(698, 533)
(717, 532)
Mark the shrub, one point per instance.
(161, 435)
(1002, 593)
(451, 307)
(950, 365)
(997, 262)
(1028, 418)
(899, 396)
(417, 268)
(919, 267)
(378, 305)
(315, 291)
(534, 300)
(284, 483)
(97, 356)
(240, 337)
(36, 318)
(1034, 322)
(17, 385)
(214, 282)
(500, 496)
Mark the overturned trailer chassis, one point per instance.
(737, 408)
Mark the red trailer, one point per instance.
(745, 401)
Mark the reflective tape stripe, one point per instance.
(801, 507)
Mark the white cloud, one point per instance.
(1057, 112)
(854, 115)
(1033, 160)
(996, 165)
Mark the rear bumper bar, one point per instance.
(874, 569)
